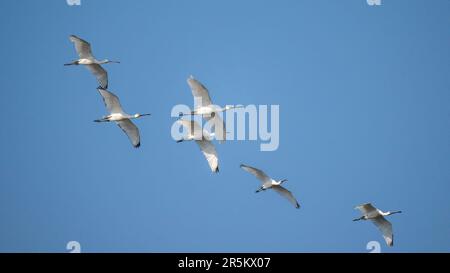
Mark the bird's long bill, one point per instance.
(145, 115)
(116, 62)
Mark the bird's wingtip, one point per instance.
(391, 243)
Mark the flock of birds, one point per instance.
(202, 106)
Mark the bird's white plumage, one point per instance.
(286, 194)
(122, 119)
(82, 47)
(386, 229)
(203, 106)
(202, 138)
(263, 177)
(218, 124)
(377, 217)
(193, 129)
(367, 209)
(87, 59)
(210, 153)
(200, 93)
(131, 131)
(100, 74)
(269, 183)
(111, 101)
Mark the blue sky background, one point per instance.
(364, 117)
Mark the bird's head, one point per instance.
(282, 181)
(106, 61)
(140, 115)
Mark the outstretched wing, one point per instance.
(131, 130)
(219, 126)
(264, 178)
(366, 209)
(386, 229)
(111, 101)
(82, 47)
(209, 151)
(286, 194)
(200, 93)
(99, 73)
(192, 127)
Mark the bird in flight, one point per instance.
(122, 119)
(203, 140)
(377, 217)
(269, 183)
(87, 59)
(203, 106)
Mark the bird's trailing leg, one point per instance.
(72, 63)
(360, 218)
(102, 120)
(181, 114)
(260, 189)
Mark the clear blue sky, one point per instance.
(364, 117)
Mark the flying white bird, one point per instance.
(84, 51)
(203, 139)
(122, 119)
(269, 183)
(377, 217)
(204, 106)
